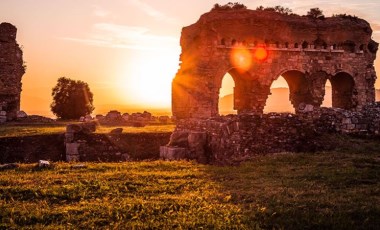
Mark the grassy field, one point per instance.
(325, 190)
(12, 130)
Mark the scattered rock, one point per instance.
(126, 156)
(116, 131)
(37, 119)
(21, 115)
(9, 166)
(44, 164)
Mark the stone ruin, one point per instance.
(256, 47)
(11, 71)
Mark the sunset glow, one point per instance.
(261, 54)
(126, 50)
(241, 58)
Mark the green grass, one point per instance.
(327, 190)
(12, 130)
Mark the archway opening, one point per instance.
(327, 98)
(278, 100)
(342, 85)
(226, 96)
(298, 88)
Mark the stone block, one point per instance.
(21, 114)
(44, 164)
(179, 138)
(72, 158)
(3, 119)
(72, 153)
(172, 153)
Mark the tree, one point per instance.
(71, 99)
(315, 13)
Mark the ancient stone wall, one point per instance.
(235, 138)
(256, 47)
(11, 71)
(82, 144)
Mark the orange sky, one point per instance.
(126, 50)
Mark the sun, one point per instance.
(149, 79)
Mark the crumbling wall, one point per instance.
(235, 138)
(11, 71)
(82, 144)
(305, 51)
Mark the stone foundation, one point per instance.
(235, 138)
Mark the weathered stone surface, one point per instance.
(11, 71)
(179, 139)
(197, 142)
(44, 164)
(305, 51)
(72, 153)
(235, 138)
(9, 166)
(116, 131)
(21, 115)
(173, 153)
(85, 127)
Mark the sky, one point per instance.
(126, 50)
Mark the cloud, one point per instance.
(127, 37)
(375, 26)
(149, 10)
(100, 12)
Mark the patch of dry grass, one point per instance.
(16, 130)
(327, 190)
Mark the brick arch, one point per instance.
(241, 97)
(343, 90)
(206, 50)
(298, 86)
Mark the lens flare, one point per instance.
(241, 58)
(261, 53)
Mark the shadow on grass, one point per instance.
(325, 190)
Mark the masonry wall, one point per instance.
(305, 51)
(235, 138)
(11, 71)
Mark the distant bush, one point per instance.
(278, 9)
(315, 13)
(229, 6)
(346, 16)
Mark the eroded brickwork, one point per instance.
(305, 51)
(235, 138)
(11, 71)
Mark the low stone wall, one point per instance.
(30, 149)
(236, 138)
(84, 145)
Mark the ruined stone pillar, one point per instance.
(11, 71)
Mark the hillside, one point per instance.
(277, 102)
